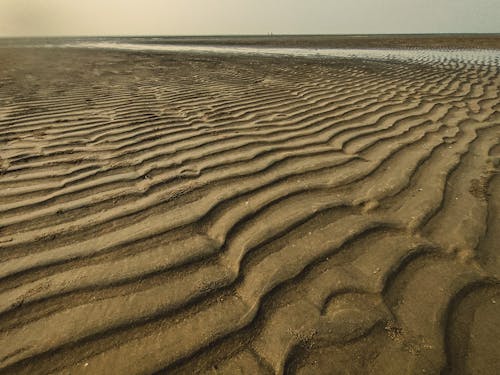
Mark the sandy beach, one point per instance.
(214, 214)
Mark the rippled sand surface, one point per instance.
(239, 213)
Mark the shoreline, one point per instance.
(455, 41)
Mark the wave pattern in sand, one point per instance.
(247, 215)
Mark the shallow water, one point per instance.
(481, 57)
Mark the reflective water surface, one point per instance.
(483, 57)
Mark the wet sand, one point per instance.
(181, 213)
(407, 41)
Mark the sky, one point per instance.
(238, 17)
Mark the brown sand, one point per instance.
(244, 215)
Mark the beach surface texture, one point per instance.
(183, 213)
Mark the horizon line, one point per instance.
(270, 34)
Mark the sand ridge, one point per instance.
(182, 213)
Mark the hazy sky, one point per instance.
(197, 17)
